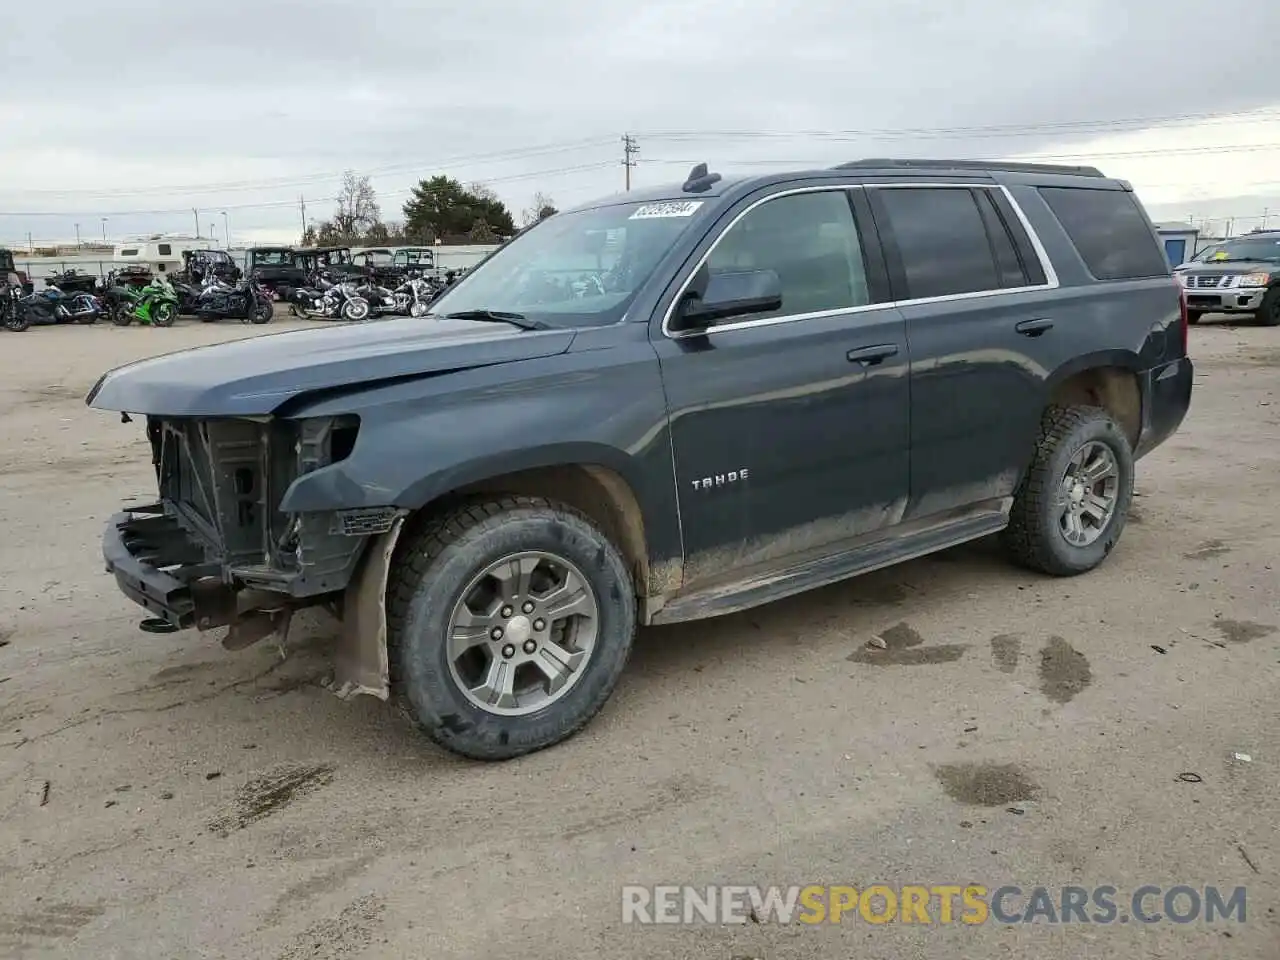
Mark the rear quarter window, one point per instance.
(1109, 231)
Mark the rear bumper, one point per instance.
(136, 544)
(1166, 400)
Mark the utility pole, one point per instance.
(302, 205)
(77, 236)
(104, 229)
(196, 213)
(629, 150)
(226, 229)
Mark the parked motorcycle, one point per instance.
(379, 298)
(72, 281)
(188, 295)
(156, 304)
(325, 300)
(11, 318)
(413, 297)
(50, 306)
(246, 301)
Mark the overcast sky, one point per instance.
(112, 109)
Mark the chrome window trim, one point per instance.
(1051, 275)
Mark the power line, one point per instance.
(812, 163)
(512, 178)
(836, 135)
(408, 167)
(976, 132)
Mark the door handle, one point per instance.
(870, 356)
(1033, 328)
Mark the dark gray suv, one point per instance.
(662, 406)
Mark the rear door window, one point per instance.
(941, 239)
(1109, 231)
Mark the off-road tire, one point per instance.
(1269, 311)
(434, 564)
(1032, 537)
(1193, 316)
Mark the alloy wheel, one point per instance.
(1088, 494)
(522, 633)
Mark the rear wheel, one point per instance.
(1269, 311)
(509, 624)
(121, 314)
(1072, 505)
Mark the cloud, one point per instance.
(244, 106)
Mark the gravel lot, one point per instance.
(162, 798)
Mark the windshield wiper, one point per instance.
(499, 316)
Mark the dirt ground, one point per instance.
(162, 798)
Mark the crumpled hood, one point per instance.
(255, 376)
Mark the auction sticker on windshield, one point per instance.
(667, 208)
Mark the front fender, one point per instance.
(420, 440)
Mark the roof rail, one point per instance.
(1006, 166)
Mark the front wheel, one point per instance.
(164, 313)
(121, 315)
(1071, 506)
(1269, 311)
(509, 624)
(16, 321)
(1193, 316)
(263, 311)
(355, 310)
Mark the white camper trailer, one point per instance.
(160, 253)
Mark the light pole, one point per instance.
(104, 229)
(77, 236)
(196, 213)
(226, 230)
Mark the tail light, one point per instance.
(1183, 321)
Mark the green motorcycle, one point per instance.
(154, 305)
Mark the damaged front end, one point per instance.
(215, 551)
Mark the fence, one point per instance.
(37, 268)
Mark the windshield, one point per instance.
(1246, 249)
(574, 269)
(414, 258)
(273, 258)
(376, 258)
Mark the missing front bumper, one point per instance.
(159, 567)
(141, 547)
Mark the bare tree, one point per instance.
(541, 208)
(484, 192)
(357, 208)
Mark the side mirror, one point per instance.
(727, 295)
